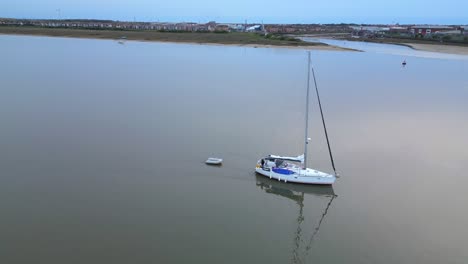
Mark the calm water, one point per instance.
(102, 148)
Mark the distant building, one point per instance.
(256, 28)
(464, 30)
(211, 25)
(450, 32)
(369, 31)
(236, 27)
(372, 29)
(222, 28)
(398, 29)
(428, 29)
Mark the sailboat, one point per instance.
(294, 169)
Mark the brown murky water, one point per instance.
(102, 148)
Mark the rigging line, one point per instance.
(323, 121)
(312, 237)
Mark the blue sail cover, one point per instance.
(283, 171)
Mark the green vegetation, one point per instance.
(398, 38)
(169, 36)
(281, 37)
(447, 38)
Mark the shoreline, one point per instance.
(446, 48)
(217, 39)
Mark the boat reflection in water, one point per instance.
(297, 192)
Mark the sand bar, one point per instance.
(459, 50)
(235, 38)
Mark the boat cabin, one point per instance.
(273, 161)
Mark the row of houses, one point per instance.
(210, 26)
(413, 30)
(365, 30)
(101, 24)
(108, 25)
(307, 28)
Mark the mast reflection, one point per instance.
(296, 192)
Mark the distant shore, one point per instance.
(232, 38)
(422, 45)
(450, 49)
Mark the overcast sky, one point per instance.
(269, 11)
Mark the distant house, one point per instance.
(450, 32)
(398, 29)
(236, 27)
(428, 29)
(369, 31)
(464, 30)
(211, 26)
(200, 28)
(222, 28)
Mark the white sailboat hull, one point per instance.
(298, 175)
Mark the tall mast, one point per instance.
(307, 112)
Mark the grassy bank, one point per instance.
(404, 41)
(239, 38)
(442, 40)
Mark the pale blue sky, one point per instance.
(270, 11)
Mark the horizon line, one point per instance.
(188, 21)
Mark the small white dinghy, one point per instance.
(214, 161)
